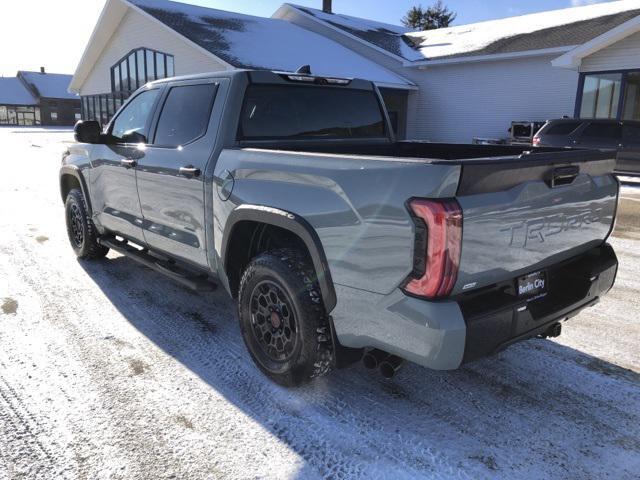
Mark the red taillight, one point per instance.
(443, 220)
(536, 141)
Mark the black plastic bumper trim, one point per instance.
(496, 318)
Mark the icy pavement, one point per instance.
(108, 370)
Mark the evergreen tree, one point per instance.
(436, 16)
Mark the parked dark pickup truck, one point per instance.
(336, 240)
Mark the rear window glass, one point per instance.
(185, 114)
(295, 112)
(603, 130)
(522, 130)
(564, 128)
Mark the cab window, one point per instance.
(131, 123)
(185, 114)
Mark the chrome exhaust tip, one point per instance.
(390, 366)
(373, 358)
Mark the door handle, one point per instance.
(190, 171)
(562, 176)
(128, 163)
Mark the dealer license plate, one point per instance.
(533, 285)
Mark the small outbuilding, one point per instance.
(18, 106)
(38, 98)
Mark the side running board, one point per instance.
(192, 280)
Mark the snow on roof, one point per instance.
(49, 85)
(14, 92)
(586, 22)
(264, 43)
(384, 35)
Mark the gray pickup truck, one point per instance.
(338, 241)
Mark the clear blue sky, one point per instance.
(391, 11)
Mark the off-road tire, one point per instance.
(312, 354)
(80, 228)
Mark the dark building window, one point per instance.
(610, 95)
(23, 116)
(139, 67)
(102, 107)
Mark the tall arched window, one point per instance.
(140, 66)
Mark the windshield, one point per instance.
(297, 112)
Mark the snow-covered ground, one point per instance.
(108, 370)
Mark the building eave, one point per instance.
(422, 64)
(573, 59)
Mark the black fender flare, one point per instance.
(296, 225)
(74, 171)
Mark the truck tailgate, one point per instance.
(525, 215)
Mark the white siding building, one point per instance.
(474, 80)
(448, 85)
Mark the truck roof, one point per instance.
(268, 76)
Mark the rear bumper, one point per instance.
(444, 334)
(496, 319)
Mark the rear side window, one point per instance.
(564, 128)
(294, 112)
(185, 114)
(603, 130)
(631, 133)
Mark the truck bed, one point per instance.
(485, 168)
(524, 209)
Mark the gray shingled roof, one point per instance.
(396, 41)
(388, 37)
(562, 36)
(246, 41)
(14, 92)
(49, 85)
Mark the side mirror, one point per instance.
(87, 131)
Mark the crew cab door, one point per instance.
(172, 174)
(113, 175)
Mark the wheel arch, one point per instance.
(247, 220)
(71, 177)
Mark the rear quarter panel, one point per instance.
(355, 204)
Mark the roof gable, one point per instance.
(574, 57)
(49, 85)
(246, 41)
(389, 38)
